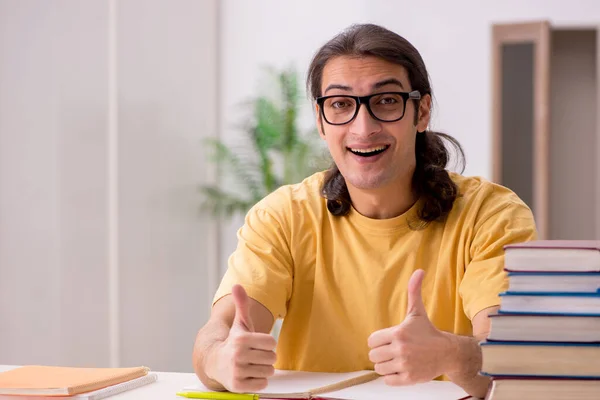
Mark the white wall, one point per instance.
(454, 38)
(55, 157)
(28, 201)
(167, 89)
(52, 182)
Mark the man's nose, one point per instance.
(364, 124)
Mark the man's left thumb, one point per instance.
(415, 300)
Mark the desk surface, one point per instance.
(167, 384)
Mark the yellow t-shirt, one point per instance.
(336, 280)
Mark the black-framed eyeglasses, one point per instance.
(384, 107)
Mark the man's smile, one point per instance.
(369, 151)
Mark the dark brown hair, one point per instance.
(431, 181)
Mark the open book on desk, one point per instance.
(360, 385)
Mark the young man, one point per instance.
(387, 261)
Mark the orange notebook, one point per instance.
(63, 381)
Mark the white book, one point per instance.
(558, 303)
(554, 282)
(553, 256)
(544, 328)
(378, 390)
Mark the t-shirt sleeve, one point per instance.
(261, 263)
(485, 278)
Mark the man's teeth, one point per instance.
(370, 150)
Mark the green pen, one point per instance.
(218, 395)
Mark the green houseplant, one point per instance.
(273, 152)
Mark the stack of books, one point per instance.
(544, 342)
(47, 382)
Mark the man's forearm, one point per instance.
(464, 364)
(210, 336)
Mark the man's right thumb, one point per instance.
(242, 308)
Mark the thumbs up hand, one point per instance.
(245, 359)
(242, 321)
(414, 351)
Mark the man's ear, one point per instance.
(319, 120)
(424, 113)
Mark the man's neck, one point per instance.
(386, 202)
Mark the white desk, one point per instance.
(167, 384)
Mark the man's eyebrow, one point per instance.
(335, 86)
(390, 81)
(378, 85)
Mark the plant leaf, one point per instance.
(277, 154)
(289, 88)
(269, 124)
(243, 170)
